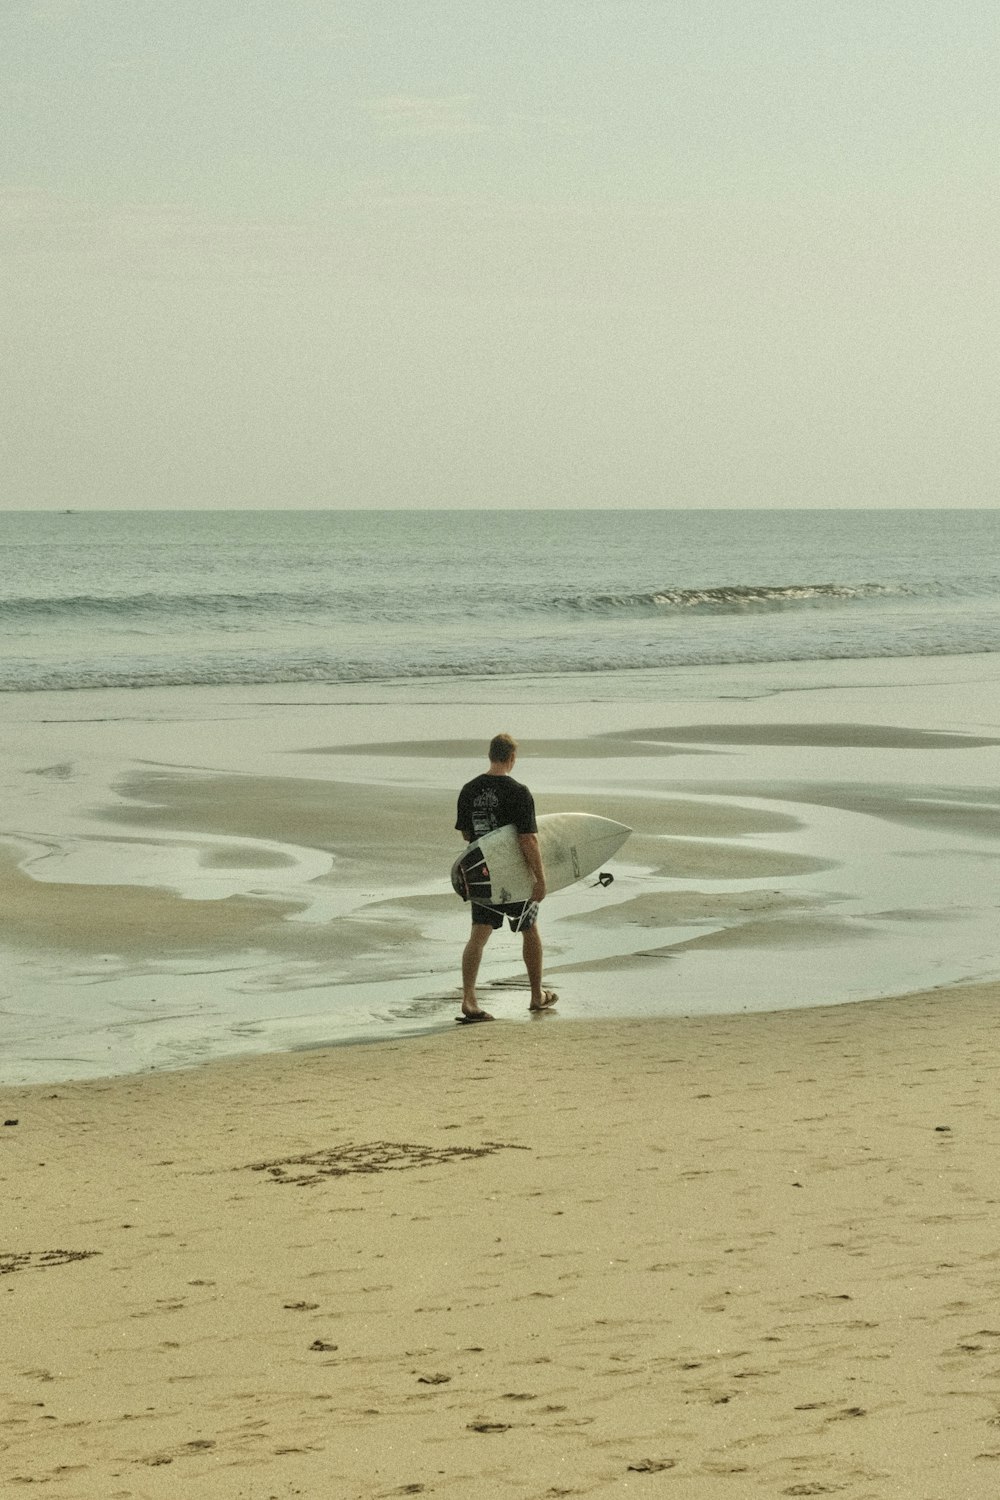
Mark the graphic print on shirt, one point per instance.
(484, 811)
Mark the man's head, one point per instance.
(503, 750)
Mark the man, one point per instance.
(491, 801)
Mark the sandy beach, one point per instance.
(698, 1232)
(708, 1257)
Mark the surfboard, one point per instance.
(492, 870)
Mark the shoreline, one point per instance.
(753, 1250)
(226, 873)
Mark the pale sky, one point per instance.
(476, 253)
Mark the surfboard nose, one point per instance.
(609, 831)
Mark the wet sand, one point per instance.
(737, 1255)
(187, 875)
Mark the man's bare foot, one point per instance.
(549, 998)
(469, 1014)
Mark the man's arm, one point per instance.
(533, 859)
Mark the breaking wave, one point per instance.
(734, 598)
(238, 610)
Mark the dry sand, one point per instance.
(705, 1258)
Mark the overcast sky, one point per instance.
(298, 253)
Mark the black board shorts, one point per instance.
(521, 915)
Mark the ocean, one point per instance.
(178, 598)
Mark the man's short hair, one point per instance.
(502, 747)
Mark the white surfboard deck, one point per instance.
(492, 870)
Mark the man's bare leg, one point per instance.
(471, 959)
(531, 948)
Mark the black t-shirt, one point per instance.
(490, 802)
